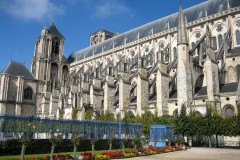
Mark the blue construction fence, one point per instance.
(159, 134)
(40, 128)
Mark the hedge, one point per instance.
(43, 146)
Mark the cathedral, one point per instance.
(191, 57)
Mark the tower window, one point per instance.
(238, 37)
(214, 43)
(174, 52)
(28, 93)
(97, 72)
(220, 41)
(149, 59)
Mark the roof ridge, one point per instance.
(144, 30)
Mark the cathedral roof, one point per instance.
(16, 69)
(197, 12)
(53, 30)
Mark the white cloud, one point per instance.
(31, 9)
(110, 8)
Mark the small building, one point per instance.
(18, 88)
(159, 134)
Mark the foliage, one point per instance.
(110, 141)
(74, 113)
(55, 139)
(136, 141)
(181, 121)
(107, 116)
(238, 119)
(76, 141)
(147, 119)
(88, 114)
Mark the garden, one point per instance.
(102, 139)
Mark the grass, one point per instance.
(41, 155)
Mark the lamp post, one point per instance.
(120, 125)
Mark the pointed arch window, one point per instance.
(238, 72)
(65, 72)
(86, 77)
(149, 59)
(231, 75)
(193, 45)
(97, 72)
(220, 41)
(133, 63)
(214, 43)
(175, 52)
(28, 93)
(238, 37)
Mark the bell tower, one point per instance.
(49, 66)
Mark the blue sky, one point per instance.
(21, 21)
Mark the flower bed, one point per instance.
(168, 149)
(58, 157)
(113, 154)
(102, 157)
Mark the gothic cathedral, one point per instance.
(191, 57)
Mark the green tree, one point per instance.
(129, 118)
(217, 125)
(209, 123)
(181, 121)
(88, 114)
(238, 120)
(76, 140)
(25, 137)
(147, 119)
(55, 139)
(107, 116)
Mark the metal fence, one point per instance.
(10, 125)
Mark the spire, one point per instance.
(208, 35)
(53, 30)
(182, 32)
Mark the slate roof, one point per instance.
(16, 69)
(234, 52)
(229, 87)
(201, 91)
(152, 97)
(199, 11)
(133, 99)
(173, 94)
(53, 30)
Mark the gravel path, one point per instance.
(196, 154)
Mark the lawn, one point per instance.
(41, 155)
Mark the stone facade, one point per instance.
(189, 57)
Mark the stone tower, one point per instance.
(50, 67)
(184, 82)
(100, 36)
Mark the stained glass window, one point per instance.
(220, 41)
(238, 37)
(28, 93)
